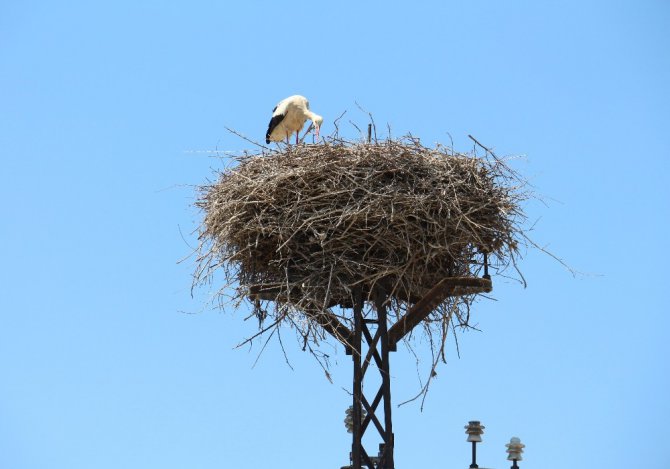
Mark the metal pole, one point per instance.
(474, 456)
(380, 299)
(358, 379)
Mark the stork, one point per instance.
(289, 116)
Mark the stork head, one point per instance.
(317, 120)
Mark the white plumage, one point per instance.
(288, 117)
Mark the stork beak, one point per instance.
(316, 132)
(309, 129)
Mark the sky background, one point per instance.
(110, 113)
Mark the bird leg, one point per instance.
(296, 137)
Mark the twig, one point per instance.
(487, 150)
(232, 131)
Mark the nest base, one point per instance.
(462, 286)
(420, 309)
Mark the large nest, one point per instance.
(305, 226)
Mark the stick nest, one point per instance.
(303, 226)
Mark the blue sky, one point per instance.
(109, 110)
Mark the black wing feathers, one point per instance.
(274, 122)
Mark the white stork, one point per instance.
(289, 116)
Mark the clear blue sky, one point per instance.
(102, 107)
